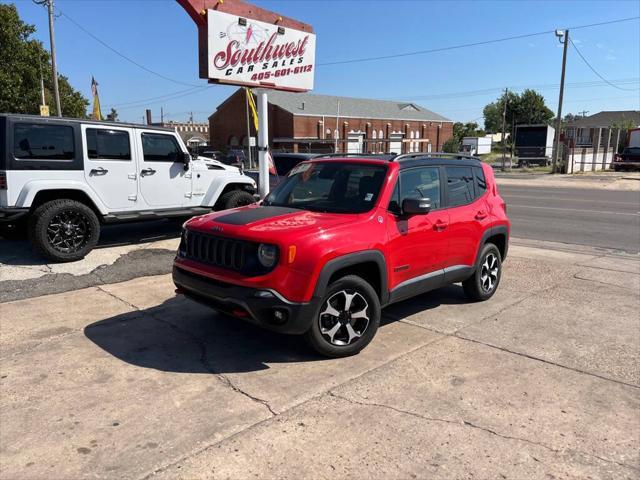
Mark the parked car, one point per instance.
(283, 163)
(629, 159)
(61, 179)
(339, 239)
(212, 154)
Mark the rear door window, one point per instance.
(481, 182)
(158, 147)
(460, 186)
(108, 144)
(32, 141)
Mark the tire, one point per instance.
(485, 280)
(235, 199)
(58, 243)
(329, 335)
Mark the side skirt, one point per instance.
(430, 281)
(154, 214)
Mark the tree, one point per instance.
(23, 59)
(113, 115)
(451, 146)
(524, 109)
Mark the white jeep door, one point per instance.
(110, 166)
(163, 180)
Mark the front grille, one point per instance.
(218, 251)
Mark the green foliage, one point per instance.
(525, 109)
(22, 58)
(113, 115)
(451, 146)
(469, 129)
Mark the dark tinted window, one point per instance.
(330, 187)
(423, 182)
(460, 189)
(43, 142)
(160, 148)
(481, 183)
(108, 144)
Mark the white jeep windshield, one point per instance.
(338, 187)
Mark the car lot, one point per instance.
(127, 381)
(104, 373)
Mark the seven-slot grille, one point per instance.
(218, 251)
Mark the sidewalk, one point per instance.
(627, 181)
(127, 381)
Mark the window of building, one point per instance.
(233, 141)
(108, 144)
(32, 141)
(158, 147)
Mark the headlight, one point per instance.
(267, 255)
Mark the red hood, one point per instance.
(268, 223)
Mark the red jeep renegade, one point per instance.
(341, 238)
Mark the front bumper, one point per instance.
(244, 302)
(11, 214)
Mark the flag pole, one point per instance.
(246, 98)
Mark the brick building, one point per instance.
(322, 123)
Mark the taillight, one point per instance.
(3, 181)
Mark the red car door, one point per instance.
(468, 214)
(417, 244)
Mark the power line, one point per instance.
(596, 72)
(465, 45)
(166, 96)
(122, 55)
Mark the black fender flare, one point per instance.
(497, 230)
(351, 259)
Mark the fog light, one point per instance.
(279, 317)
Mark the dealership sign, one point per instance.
(244, 51)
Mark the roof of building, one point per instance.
(186, 136)
(607, 118)
(327, 105)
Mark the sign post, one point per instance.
(245, 45)
(263, 143)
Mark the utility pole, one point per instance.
(556, 154)
(162, 115)
(504, 120)
(54, 65)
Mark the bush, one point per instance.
(451, 146)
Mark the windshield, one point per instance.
(337, 187)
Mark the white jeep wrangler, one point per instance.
(60, 179)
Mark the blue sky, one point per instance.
(456, 83)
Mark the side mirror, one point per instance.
(186, 159)
(416, 206)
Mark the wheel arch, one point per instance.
(370, 265)
(499, 236)
(44, 196)
(229, 187)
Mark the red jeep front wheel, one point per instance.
(348, 319)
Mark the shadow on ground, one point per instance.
(184, 337)
(20, 252)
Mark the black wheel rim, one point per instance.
(68, 231)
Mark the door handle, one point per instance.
(440, 225)
(98, 171)
(481, 215)
(147, 171)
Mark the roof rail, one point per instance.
(357, 155)
(457, 156)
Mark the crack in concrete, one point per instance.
(204, 357)
(548, 362)
(467, 423)
(575, 275)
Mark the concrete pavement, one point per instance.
(126, 381)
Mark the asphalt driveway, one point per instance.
(127, 381)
